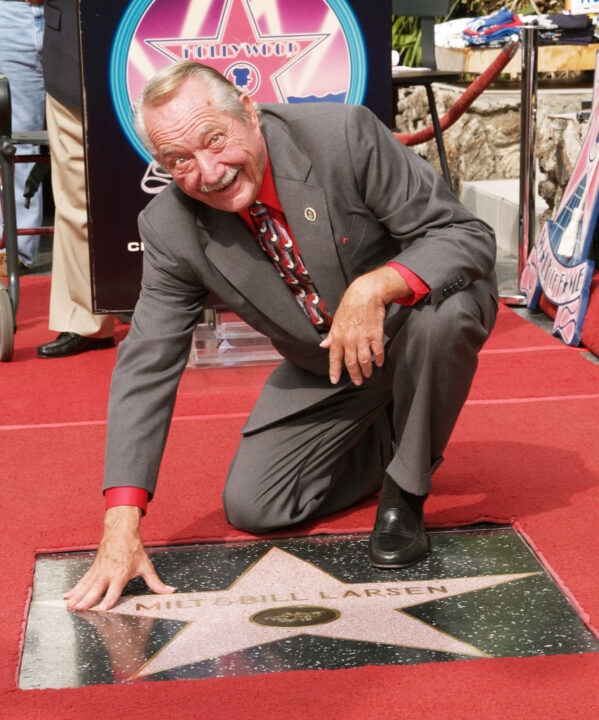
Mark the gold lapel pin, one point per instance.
(310, 214)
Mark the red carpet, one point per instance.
(525, 450)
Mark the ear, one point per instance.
(248, 105)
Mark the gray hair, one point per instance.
(168, 80)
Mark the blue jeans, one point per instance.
(21, 37)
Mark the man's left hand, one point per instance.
(356, 335)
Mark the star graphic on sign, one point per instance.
(239, 50)
(282, 596)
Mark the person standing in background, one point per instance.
(21, 37)
(70, 297)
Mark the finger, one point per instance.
(377, 348)
(72, 592)
(154, 582)
(326, 342)
(365, 360)
(112, 594)
(74, 600)
(335, 363)
(91, 597)
(378, 353)
(79, 590)
(353, 366)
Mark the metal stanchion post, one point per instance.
(528, 134)
(528, 131)
(528, 127)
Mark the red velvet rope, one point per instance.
(475, 88)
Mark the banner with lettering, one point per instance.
(558, 265)
(275, 50)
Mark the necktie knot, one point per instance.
(258, 209)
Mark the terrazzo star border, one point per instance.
(304, 603)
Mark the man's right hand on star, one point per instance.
(121, 556)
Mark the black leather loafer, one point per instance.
(398, 539)
(69, 343)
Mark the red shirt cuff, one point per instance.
(138, 497)
(418, 287)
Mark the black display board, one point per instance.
(277, 51)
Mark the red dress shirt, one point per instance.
(139, 497)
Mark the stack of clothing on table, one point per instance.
(557, 29)
(564, 29)
(492, 31)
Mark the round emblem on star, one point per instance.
(295, 616)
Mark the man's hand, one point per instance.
(356, 335)
(120, 557)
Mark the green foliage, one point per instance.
(405, 38)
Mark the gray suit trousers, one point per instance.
(399, 421)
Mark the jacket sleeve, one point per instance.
(150, 363)
(438, 239)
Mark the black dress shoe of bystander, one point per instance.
(69, 343)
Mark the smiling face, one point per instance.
(213, 156)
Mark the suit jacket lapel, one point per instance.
(237, 256)
(305, 206)
(233, 250)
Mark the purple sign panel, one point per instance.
(274, 50)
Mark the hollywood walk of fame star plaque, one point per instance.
(301, 603)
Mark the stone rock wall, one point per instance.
(484, 143)
(558, 146)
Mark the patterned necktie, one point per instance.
(280, 247)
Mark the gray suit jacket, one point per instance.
(373, 201)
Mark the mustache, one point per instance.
(227, 178)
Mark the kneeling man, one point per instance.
(319, 229)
